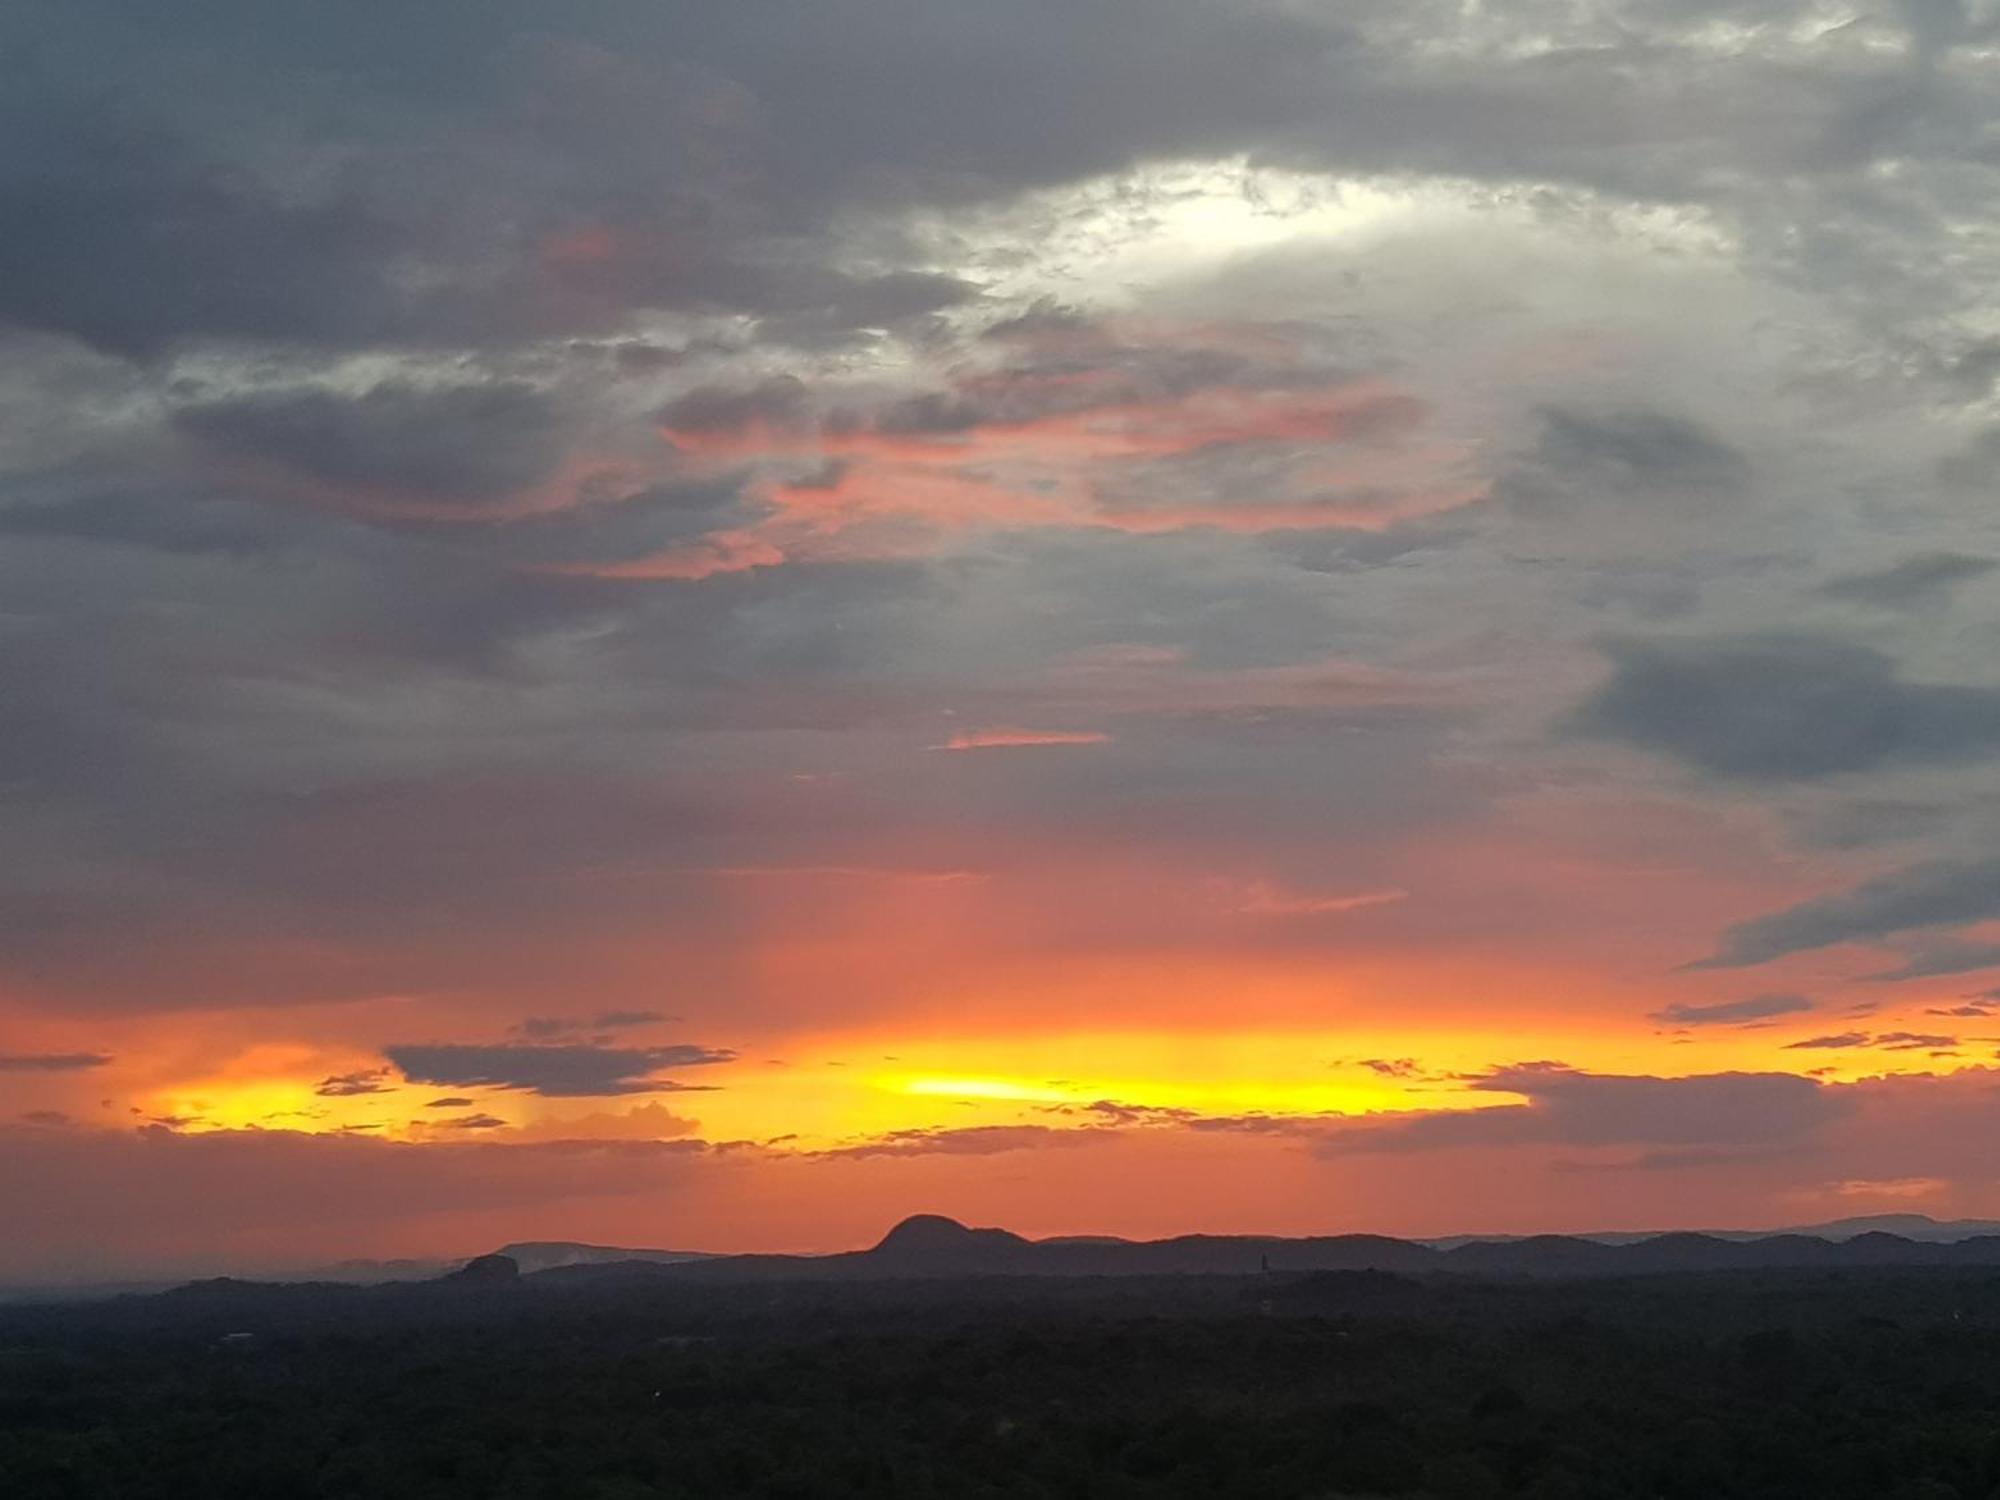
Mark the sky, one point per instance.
(708, 625)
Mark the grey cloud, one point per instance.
(1783, 707)
(1976, 466)
(137, 515)
(1942, 956)
(346, 1085)
(1913, 581)
(131, 245)
(469, 1122)
(736, 137)
(1914, 1041)
(1939, 893)
(572, 1071)
(450, 1101)
(1891, 1041)
(1584, 458)
(462, 445)
(51, 1062)
(782, 401)
(1572, 1108)
(1732, 1012)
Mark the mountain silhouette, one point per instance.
(932, 1245)
(934, 1234)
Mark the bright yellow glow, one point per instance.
(978, 1088)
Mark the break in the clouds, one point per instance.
(1128, 550)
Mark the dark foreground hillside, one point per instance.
(1812, 1384)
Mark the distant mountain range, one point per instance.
(929, 1245)
(932, 1246)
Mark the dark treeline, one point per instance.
(1866, 1384)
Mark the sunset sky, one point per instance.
(708, 624)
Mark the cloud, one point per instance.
(450, 1101)
(780, 403)
(643, 1122)
(1569, 1107)
(1393, 1067)
(1783, 708)
(1941, 956)
(970, 1140)
(51, 1062)
(553, 1071)
(1909, 583)
(467, 447)
(1016, 739)
(133, 244)
(1914, 1041)
(1632, 457)
(1732, 1012)
(614, 1020)
(1891, 1041)
(468, 1122)
(345, 1085)
(1938, 893)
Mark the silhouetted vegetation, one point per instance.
(1849, 1384)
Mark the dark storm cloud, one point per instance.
(51, 1062)
(131, 244)
(1940, 893)
(462, 445)
(1783, 707)
(693, 155)
(1913, 581)
(553, 1071)
(1733, 1012)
